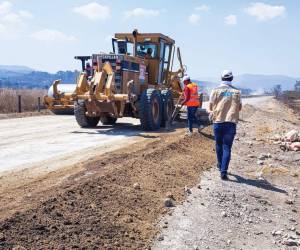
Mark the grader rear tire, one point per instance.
(108, 120)
(168, 107)
(81, 118)
(150, 110)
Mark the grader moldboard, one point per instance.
(136, 80)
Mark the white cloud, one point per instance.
(48, 35)
(12, 21)
(140, 12)
(203, 7)
(25, 14)
(265, 12)
(5, 7)
(194, 19)
(230, 20)
(93, 11)
(2, 28)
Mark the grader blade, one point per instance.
(58, 98)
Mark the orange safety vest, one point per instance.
(194, 97)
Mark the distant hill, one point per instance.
(23, 77)
(15, 68)
(207, 86)
(258, 83)
(265, 82)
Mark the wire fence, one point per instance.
(21, 100)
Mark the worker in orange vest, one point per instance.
(191, 100)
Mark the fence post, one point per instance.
(39, 104)
(19, 104)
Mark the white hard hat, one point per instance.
(227, 74)
(186, 78)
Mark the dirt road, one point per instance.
(57, 141)
(259, 207)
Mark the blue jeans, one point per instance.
(224, 136)
(192, 117)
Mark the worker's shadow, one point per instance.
(264, 184)
(209, 136)
(244, 121)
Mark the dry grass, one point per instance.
(29, 99)
(292, 99)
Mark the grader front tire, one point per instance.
(81, 118)
(150, 110)
(168, 107)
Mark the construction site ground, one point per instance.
(25, 114)
(258, 208)
(112, 195)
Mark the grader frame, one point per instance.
(138, 83)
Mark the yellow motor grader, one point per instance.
(135, 80)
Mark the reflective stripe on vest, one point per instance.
(194, 97)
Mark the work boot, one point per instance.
(224, 177)
(200, 128)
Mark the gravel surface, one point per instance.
(258, 208)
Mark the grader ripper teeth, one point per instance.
(136, 80)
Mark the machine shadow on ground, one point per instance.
(129, 130)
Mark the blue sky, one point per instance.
(245, 36)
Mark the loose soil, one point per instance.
(98, 207)
(258, 208)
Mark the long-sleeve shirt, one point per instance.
(225, 103)
(187, 95)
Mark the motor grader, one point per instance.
(135, 80)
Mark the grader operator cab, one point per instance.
(136, 80)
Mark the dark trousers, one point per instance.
(224, 136)
(192, 117)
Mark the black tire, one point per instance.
(108, 120)
(81, 118)
(69, 111)
(150, 111)
(167, 107)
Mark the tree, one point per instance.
(276, 91)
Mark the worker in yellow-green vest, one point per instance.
(191, 100)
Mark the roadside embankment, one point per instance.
(292, 100)
(258, 208)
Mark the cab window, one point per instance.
(146, 50)
(122, 47)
